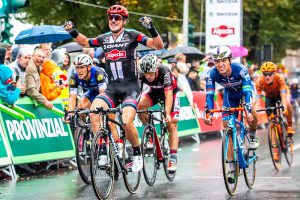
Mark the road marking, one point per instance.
(259, 177)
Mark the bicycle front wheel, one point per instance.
(83, 154)
(131, 179)
(102, 166)
(250, 171)
(167, 155)
(149, 153)
(230, 166)
(274, 146)
(289, 146)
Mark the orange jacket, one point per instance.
(48, 87)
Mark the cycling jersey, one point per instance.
(164, 80)
(237, 85)
(273, 89)
(120, 53)
(295, 91)
(90, 88)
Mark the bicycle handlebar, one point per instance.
(226, 110)
(270, 108)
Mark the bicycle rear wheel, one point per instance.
(83, 154)
(274, 146)
(102, 173)
(167, 155)
(289, 146)
(131, 179)
(250, 171)
(231, 185)
(148, 146)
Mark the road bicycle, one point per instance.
(242, 158)
(80, 127)
(155, 149)
(104, 174)
(279, 141)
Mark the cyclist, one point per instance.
(92, 80)
(162, 88)
(275, 88)
(295, 91)
(235, 79)
(119, 49)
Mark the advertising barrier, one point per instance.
(5, 159)
(41, 136)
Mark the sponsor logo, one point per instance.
(100, 77)
(110, 46)
(227, 14)
(115, 55)
(222, 31)
(72, 82)
(227, 1)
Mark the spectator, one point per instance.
(9, 90)
(47, 49)
(32, 78)
(181, 63)
(194, 79)
(57, 56)
(2, 56)
(19, 67)
(8, 55)
(49, 88)
(14, 53)
(89, 51)
(67, 63)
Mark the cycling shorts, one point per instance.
(271, 102)
(90, 95)
(125, 92)
(154, 98)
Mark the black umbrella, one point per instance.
(71, 47)
(191, 53)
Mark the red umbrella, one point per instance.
(239, 51)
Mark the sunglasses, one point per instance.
(268, 73)
(115, 17)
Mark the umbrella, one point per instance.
(144, 50)
(191, 53)
(238, 51)
(42, 34)
(71, 47)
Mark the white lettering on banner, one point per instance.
(35, 129)
(186, 113)
(222, 31)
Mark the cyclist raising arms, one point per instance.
(119, 48)
(92, 80)
(162, 87)
(275, 88)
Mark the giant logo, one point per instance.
(222, 31)
(115, 55)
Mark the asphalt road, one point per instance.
(199, 176)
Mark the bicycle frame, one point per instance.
(277, 120)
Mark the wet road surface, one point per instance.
(199, 176)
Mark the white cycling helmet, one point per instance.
(221, 52)
(83, 60)
(295, 81)
(149, 63)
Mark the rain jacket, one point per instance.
(8, 93)
(47, 75)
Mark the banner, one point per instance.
(4, 156)
(187, 124)
(43, 138)
(200, 100)
(224, 22)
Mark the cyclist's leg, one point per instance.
(144, 103)
(289, 117)
(253, 125)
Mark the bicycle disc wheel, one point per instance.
(274, 146)
(289, 144)
(83, 155)
(231, 185)
(167, 155)
(250, 171)
(102, 167)
(131, 179)
(148, 147)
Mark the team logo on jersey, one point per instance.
(99, 77)
(115, 55)
(72, 82)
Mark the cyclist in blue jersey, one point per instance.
(235, 79)
(295, 90)
(92, 80)
(119, 49)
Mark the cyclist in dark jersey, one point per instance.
(162, 87)
(92, 80)
(119, 49)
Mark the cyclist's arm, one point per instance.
(247, 88)
(72, 102)
(82, 40)
(168, 101)
(155, 43)
(283, 88)
(210, 91)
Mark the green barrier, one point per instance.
(4, 155)
(33, 140)
(11, 112)
(23, 111)
(188, 122)
(54, 110)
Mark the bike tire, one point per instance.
(102, 176)
(289, 143)
(83, 155)
(149, 155)
(167, 155)
(274, 146)
(230, 187)
(132, 180)
(250, 170)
